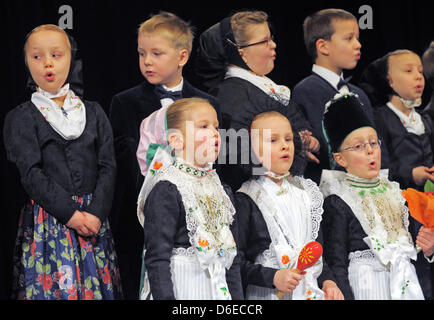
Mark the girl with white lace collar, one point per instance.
(366, 239)
(187, 214)
(278, 215)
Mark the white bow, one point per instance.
(404, 284)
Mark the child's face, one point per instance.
(273, 144)
(202, 128)
(361, 163)
(260, 57)
(343, 49)
(48, 56)
(160, 62)
(406, 76)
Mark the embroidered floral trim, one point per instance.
(191, 170)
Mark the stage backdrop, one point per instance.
(106, 33)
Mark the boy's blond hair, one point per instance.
(178, 31)
(241, 20)
(320, 26)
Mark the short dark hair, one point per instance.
(319, 26)
(428, 64)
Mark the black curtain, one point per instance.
(106, 35)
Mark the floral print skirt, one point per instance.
(53, 262)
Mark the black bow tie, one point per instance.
(163, 93)
(342, 83)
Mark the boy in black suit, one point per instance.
(164, 46)
(332, 40)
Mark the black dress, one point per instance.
(339, 216)
(165, 228)
(127, 111)
(406, 150)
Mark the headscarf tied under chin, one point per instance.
(217, 50)
(75, 76)
(375, 84)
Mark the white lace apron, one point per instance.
(384, 271)
(303, 212)
(199, 272)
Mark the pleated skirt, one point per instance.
(53, 262)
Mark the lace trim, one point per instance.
(210, 214)
(366, 257)
(361, 255)
(188, 252)
(380, 211)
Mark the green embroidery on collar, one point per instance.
(192, 171)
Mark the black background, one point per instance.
(106, 35)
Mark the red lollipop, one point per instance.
(308, 256)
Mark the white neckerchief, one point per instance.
(70, 120)
(277, 92)
(292, 222)
(413, 122)
(329, 76)
(166, 102)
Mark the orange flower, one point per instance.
(308, 292)
(285, 259)
(157, 165)
(203, 243)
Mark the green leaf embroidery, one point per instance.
(31, 262)
(88, 282)
(39, 268)
(64, 241)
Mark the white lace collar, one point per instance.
(208, 209)
(361, 200)
(259, 191)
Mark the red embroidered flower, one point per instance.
(47, 282)
(285, 259)
(157, 165)
(40, 216)
(88, 295)
(73, 294)
(203, 243)
(32, 247)
(106, 278)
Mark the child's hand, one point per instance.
(331, 291)
(77, 222)
(425, 240)
(93, 223)
(313, 144)
(286, 280)
(421, 174)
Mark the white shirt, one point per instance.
(328, 75)
(166, 102)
